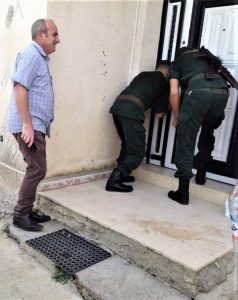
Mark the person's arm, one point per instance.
(174, 99)
(21, 96)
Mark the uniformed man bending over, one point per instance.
(147, 90)
(202, 103)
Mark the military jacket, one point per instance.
(152, 89)
(186, 66)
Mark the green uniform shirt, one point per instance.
(152, 89)
(186, 66)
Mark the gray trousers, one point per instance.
(35, 172)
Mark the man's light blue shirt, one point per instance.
(31, 71)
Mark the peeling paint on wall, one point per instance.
(12, 11)
(9, 17)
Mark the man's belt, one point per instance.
(213, 90)
(132, 99)
(203, 76)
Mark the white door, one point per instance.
(218, 35)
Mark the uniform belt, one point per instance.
(202, 76)
(213, 90)
(132, 98)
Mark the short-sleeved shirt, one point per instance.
(31, 71)
(152, 89)
(186, 66)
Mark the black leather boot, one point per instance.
(114, 183)
(177, 174)
(201, 174)
(182, 194)
(26, 223)
(39, 217)
(200, 177)
(128, 178)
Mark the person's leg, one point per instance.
(134, 133)
(118, 126)
(115, 181)
(134, 138)
(212, 121)
(35, 172)
(194, 108)
(122, 154)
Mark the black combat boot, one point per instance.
(201, 174)
(114, 183)
(177, 174)
(181, 195)
(128, 178)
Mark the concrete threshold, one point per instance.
(213, 191)
(188, 247)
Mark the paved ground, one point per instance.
(5, 205)
(22, 277)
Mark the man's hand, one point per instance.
(27, 134)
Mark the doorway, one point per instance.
(214, 27)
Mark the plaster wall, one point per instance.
(104, 44)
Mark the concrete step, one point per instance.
(213, 191)
(111, 279)
(188, 247)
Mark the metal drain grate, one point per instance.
(68, 251)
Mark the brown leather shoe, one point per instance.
(26, 223)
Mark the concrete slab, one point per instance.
(116, 279)
(182, 233)
(22, 277)
(189, 246)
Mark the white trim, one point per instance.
(164, 56)
(170, 146)
(221, 178)
(212, 176)
(154, 137)
(187, 21)
(155, 162)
